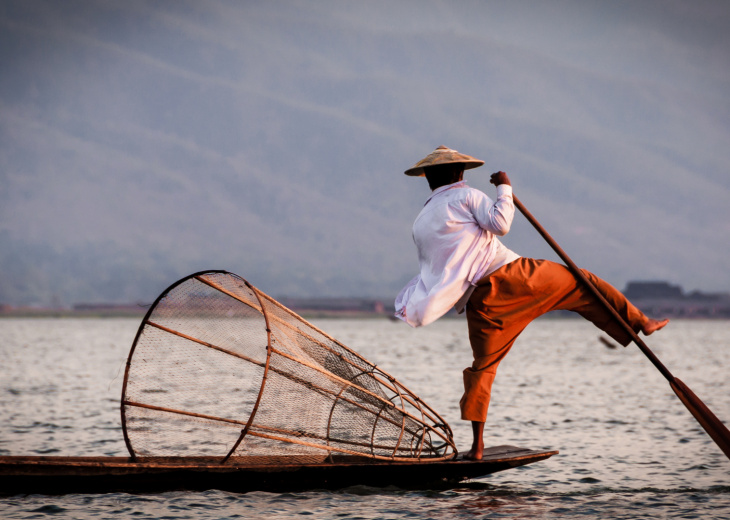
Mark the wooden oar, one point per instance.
(712, 425)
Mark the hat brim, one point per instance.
(419, 171)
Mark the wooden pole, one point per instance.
(708, 420)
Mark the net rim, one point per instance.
(143, 325)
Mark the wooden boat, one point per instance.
(267, 402)
(59, 475)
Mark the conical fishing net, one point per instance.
(219, 369)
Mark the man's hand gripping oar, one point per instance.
(712, 425)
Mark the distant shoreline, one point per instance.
(657, 299)
(310, 314)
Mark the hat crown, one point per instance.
(443, 155)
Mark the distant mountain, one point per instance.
(140, 142)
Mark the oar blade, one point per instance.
(708, 420)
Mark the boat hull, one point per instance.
(60, 475)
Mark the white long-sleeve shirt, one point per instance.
(456, 237)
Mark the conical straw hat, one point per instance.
(443, 155)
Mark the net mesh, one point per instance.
(219, 369)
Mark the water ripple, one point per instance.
(629, 449)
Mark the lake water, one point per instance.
(628, 447)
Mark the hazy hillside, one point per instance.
(142, 141)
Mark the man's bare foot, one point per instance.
(477, 446)
(652, 326)
(476, 453)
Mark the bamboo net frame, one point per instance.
(220, 369)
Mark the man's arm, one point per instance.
(497, 218)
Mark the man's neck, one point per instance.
(462, 181)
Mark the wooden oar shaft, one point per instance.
(582, 277)
(708, 420)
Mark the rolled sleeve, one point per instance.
(495, 217)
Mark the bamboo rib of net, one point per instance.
(293, 377)
(376, 373)
(220, 369)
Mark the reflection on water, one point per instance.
(629, 448)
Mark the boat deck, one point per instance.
(59, 475)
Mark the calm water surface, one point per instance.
(628, 447)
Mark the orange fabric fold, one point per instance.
(506, 301)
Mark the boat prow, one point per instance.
(59, 475)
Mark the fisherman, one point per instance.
(464, 265)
